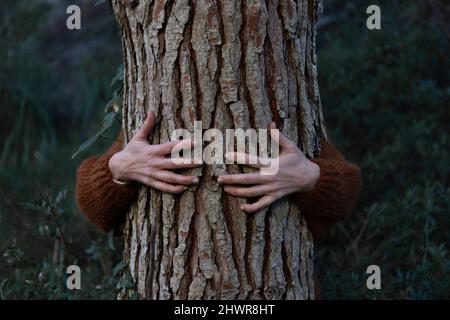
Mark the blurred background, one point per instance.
(386, 102)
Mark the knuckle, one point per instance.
(153, 149)
(149, 172)
(177, 189)
(147, 181)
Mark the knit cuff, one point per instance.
(101, 200)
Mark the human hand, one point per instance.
(147, 164)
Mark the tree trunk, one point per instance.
(230, 64)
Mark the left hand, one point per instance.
(296, 173)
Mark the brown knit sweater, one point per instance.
(105, 203)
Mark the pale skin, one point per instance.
(147, 164)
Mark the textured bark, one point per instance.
(230, 64)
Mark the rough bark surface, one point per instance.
(230, 64)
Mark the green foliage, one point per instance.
(52, 83)
(385, 94)
(46, 279)
(112, 112)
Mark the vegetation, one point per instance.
(385, 95)
(54, 85)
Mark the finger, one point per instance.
(166, 187)
(243, 178)
(258, 205)
(174, 178)
(247, 159)
(146, 128)
(179, 163)
(168, 147)
(281, 138)
(249, 192)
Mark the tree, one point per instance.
(230, 64)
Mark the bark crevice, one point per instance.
(231, 64)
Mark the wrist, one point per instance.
(116, 168)
(313, 176)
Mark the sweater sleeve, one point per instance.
(334, 196)
(102, 201)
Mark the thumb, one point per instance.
(282, 139)
(146, 128)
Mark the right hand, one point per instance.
(147, 164)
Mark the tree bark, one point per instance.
(230, 64)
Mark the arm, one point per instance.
(103, 201)
(325, 188)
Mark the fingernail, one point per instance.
(219, 180)
(226, 189)
(195, 180)
(185, 188)
(242, 207)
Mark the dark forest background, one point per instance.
(386, 100)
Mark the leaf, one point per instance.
(119, 267)
(119, 75)
(99, 2)
(112, 108)
(113, 105)
(61, 196)
(85, 145)
(111, 241)
(125, 284)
